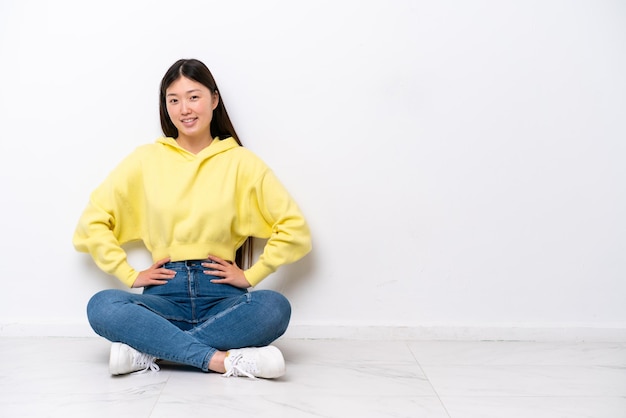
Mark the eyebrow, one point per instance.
(187, 92)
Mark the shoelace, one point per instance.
(237, 370)
(146, 361)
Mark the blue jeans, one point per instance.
(189, 318)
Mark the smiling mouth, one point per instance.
(188, 120)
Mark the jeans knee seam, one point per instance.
(221, 314)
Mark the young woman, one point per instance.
(194, 197)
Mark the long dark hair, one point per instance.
(195, 70)
(221, 126)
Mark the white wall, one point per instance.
(462, 164)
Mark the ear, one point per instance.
(216, 99)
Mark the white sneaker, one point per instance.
(125, 359)
(266, 362)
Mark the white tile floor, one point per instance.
(68, 377)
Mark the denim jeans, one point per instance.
(189, 318)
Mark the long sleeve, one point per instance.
(116, 202)
(276, 216)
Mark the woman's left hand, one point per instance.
(230, 273)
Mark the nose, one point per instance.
(184, 108)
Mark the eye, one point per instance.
(194, 98)
(173, 101)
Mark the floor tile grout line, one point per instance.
(158, 399)
(428, 379)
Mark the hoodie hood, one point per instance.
(217, 146)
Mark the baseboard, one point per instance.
(442, 332)
(428, 332)
(46, 329)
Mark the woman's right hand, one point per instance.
(155, 275)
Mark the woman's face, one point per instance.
(190, 106)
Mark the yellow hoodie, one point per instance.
(187, 206)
